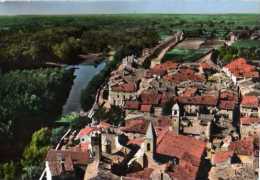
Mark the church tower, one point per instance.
(176, 117)
(150, 140)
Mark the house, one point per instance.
(245, 150)
(250, 106)
(239, 70)
(249, 126)
(228, 104)
(62, 163)
(222, 158)
(122, 92)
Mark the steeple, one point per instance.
(150, 139)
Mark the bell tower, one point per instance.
(150, 140)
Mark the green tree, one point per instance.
(35, 152)
(8, 171)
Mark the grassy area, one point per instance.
(184, 55)
(247, 44)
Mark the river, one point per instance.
(84, 73)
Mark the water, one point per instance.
(84, 73)
(127, 6)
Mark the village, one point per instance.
(183, 121)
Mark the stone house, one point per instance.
(249, 126)
(250, 106)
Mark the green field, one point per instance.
(247, 44)
(184, 55)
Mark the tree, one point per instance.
(8, 171)
(35, 152)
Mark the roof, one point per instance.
(249, 120)
(64, 160)
(86, 131)
(185, 74)
(243, 147)
(178, 145)
(189, 92)
(250, 101)
(135, 126)
(133, 105)
(150, 97)
(126, 87)
(198, 100)
(146, 108)
(227, 105)
(222, 156)
(240, 68)
(228, 100)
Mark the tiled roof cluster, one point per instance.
(125, 87)
(244, 146)
(249, 120)
(172, 145)
(240, 68)
(222, 156)
(61, 161)
(228, 100)
(185, 74)
(250, 101)
(199, 100)
(135, 126)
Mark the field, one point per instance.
(247, 44)
(184, 55)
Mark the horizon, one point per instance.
(81, 7)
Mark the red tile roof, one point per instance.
(135, 126)
(70, 158)
(243, 147)
(189, 92)
(163, 122)
(227, 105)
(250, 101)
(132, 105)
(240, 68)
(185, 74)
(249, 120)
(126, 87)
(86, 131)
(199, 100)
(220, 157)
(146, 108)
(179, 145)
(150, 97)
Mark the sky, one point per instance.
(129, 6)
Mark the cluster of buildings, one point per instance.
(183, 121)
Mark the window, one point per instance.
(148, 147)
